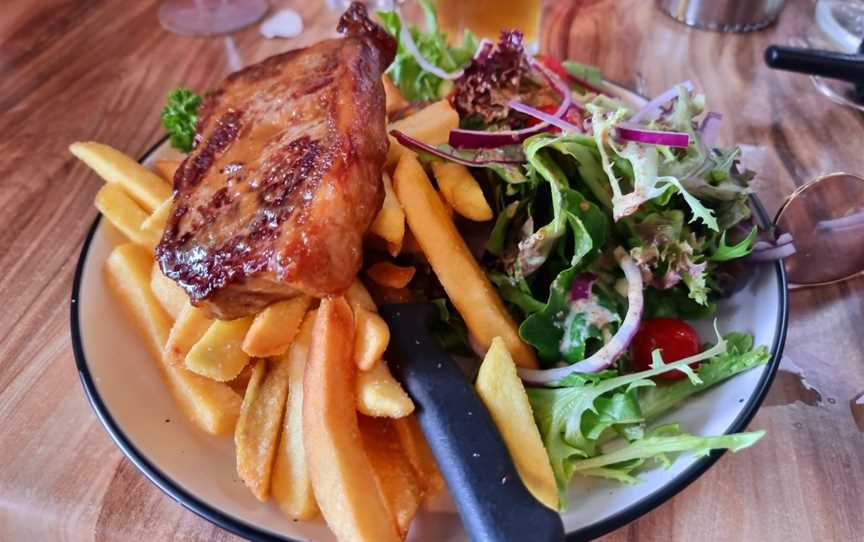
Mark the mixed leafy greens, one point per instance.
(601, 175)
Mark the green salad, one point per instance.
(594, 197)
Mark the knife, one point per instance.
(494, 504)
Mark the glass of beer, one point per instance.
(486, 18)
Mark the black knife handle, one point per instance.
(494, 504)
(846, 67)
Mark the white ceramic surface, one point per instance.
(126, 390)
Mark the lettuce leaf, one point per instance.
(740, 356)
(587, 228)
(415, 83)
(585, 411)
(621, 463)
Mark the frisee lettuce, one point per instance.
(584, 411)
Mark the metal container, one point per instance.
(723, 15)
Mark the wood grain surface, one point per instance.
(98, 69)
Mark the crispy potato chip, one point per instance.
(391, 275)
(462, 278)
(381, 395)
(212, 406)
(145, 187)
(342, 477)
(259, 425)
(393, 472)
(274, 328)
(431, 125)
(419, 455)
(461, 190)
(501, 390)
(124, 214)
(170, 295)
(190, 326)
(289, 482)
(219, 354)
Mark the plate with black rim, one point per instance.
(125, 389)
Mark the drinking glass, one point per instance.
(486, 18)
(210, 17)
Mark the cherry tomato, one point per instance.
(553, 65)
(550, 109)
(674, 338)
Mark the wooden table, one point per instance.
(76, 70)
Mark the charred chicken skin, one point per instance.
(285, 176)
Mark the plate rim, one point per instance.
(250, 532)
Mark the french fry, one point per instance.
(124, 214)
(431, 125)
(393, 99)
(274, 328)
(358, 296)
(419, 455)
(393, 472)
(391, 275)
(153, 226)
(410, 244)
(188, 328)
(170, 295)
(389, 224)
(464, 281)
(219, 354)
(145, 187)
(257, 432)
(289, 481)
(342, 476)
(501, 390)
(240, 382)
(212, 406)
(167, 169)
(461, 190)
(380, 395)
(371, 338)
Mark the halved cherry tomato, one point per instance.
(675, 339)
(553, 65)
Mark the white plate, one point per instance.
(125, 389)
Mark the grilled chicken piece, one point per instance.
(285, 176)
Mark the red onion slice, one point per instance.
(710, 128)
(545, 117)
(619, 342)
(581, 287)
(653, 107)
(627, 131)
(766, 251)
(416, 145)
(479, 139)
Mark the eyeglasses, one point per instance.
(825, 218)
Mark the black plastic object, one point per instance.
(494, 504)
(831, 64)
